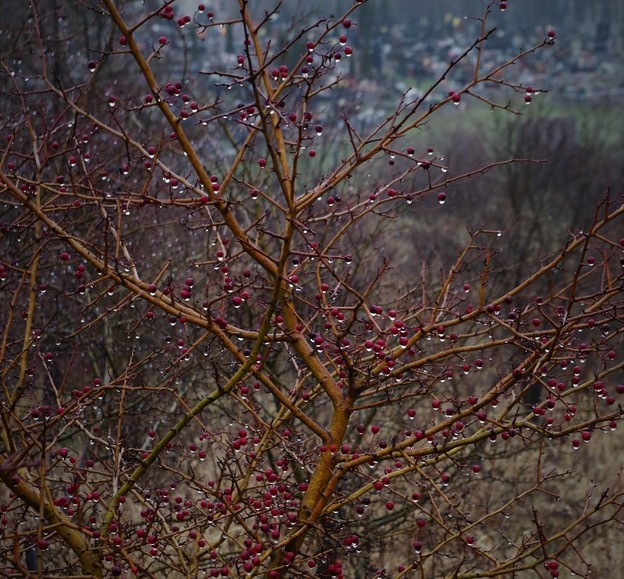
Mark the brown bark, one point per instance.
(90, 562)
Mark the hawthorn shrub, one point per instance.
(210, 364)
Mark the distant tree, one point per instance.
(209, 364)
